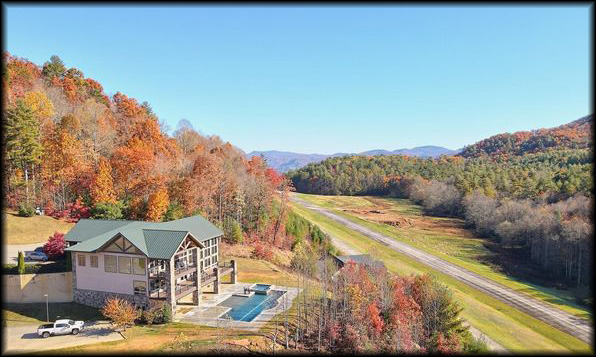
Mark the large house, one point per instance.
(145, 262)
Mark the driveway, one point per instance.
(23, 339)
(10, 252)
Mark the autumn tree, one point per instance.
(121, 312)
(157, 204)
(102, 189)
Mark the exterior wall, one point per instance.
(97, 279)
(209, 256)
(97, 298)
(29, 288)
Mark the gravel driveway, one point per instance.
(11, 252)
(553, 316)
(23, 339)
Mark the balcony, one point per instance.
(185, 288)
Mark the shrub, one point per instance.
(166, 314)
(106, 210)
(262, 251)
(54, 248)
(120, 312)
(26, 210)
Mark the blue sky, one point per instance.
(327, 79)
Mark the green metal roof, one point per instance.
(158, 240)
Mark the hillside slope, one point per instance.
(574, 135)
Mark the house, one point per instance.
(145, 262)
(365, 259)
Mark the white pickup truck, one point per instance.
(60, 327)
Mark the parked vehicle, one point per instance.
(36, 256)
(60, 327)
(39, 249)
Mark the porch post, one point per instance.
(171, 286)
(196, 295)
(216, 282)
(234, 272)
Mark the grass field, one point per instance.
(35, 313)
(509, 327)
(28, 230)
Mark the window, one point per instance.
(140, 287)
(124, 265)
(81, 259)
(110, 263)
(214, 259)
(138, 266)
(60, 325)
(93, 263)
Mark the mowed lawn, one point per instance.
(455, 245)
(508, 326)
(28, 230)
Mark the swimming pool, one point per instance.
(247, 308)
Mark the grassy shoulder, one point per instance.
(507, 326)
(29, 230)
(453, 245)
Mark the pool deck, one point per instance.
(208, 313)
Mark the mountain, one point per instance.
(284, 161)
(574, 135)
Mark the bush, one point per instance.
(26, 210)
(56, 267)
(104, 210)
(54, 248)
(166, 314)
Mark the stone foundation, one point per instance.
(98, 298)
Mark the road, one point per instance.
(557, 318)
(24, 339)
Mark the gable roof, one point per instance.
(158, 240)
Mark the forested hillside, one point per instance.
(574, 135)
(76, 152)
(532, 196)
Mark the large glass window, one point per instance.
(124, 265)
(93, 263)
(81, 259)
(110, 263)
(140, 287)
(138, 266)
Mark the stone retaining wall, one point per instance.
(98, 298)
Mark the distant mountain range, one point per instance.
(284, 161)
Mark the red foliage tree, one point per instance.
(54, 248)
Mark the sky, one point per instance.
(327, 79)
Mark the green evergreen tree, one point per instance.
(21, 140)
(54, 68)
(21, 264)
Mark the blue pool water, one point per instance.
(261, 288)
(247, 308)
